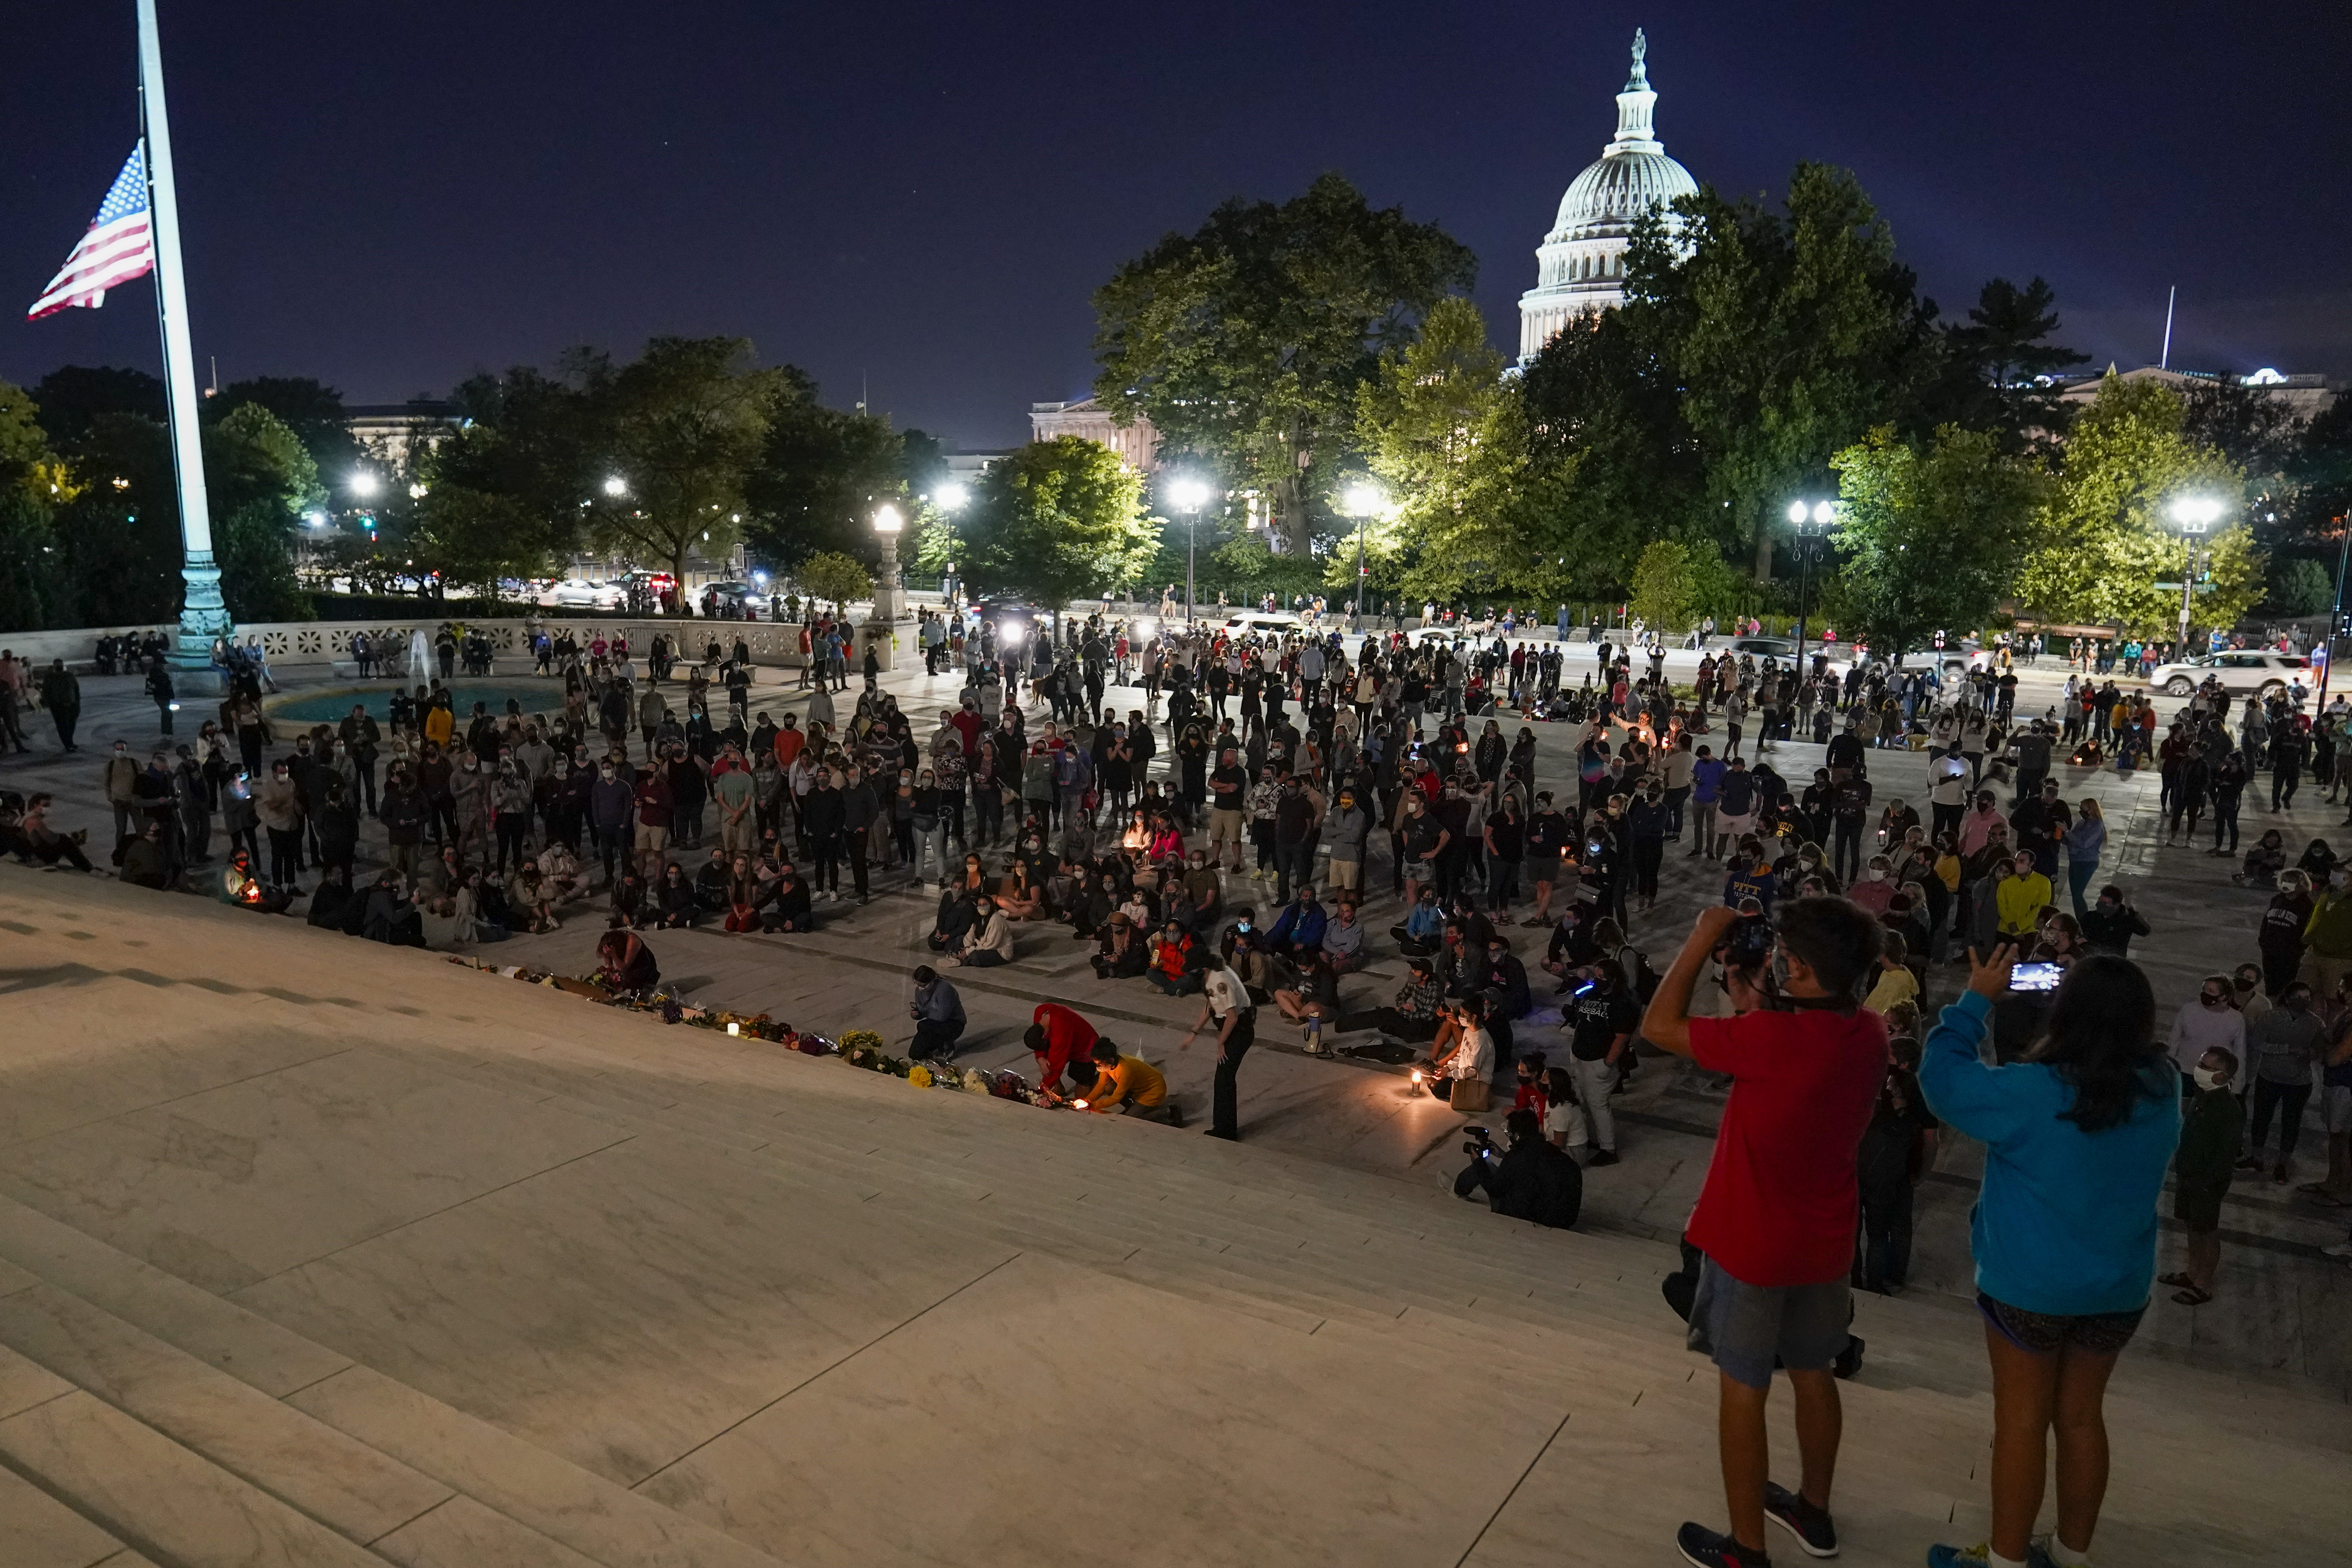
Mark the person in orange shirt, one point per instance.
(1129, 1086)
(788, 741)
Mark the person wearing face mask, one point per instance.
(2210, 1124)
(2019, 899)
(2328, 936)
(1876, 887)
(611, 804)
(2286, 1045)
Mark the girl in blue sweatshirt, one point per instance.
(2077, 1138)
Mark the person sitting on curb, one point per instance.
(990, 945)
(1129, 1086)
(1176, 961)
(1532, 1181)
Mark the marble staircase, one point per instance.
(307, 1263)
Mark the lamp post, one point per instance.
(2194, 516)
(950, 499)
(1188, 496)
(889, 600)
(1364, 501)
(1811, 521)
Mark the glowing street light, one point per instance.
(617, 486)
(1188, 496)
(1811, 521)
(951, 497)
(1364, 500)
(2194, 516)
(365, 484)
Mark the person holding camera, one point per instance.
(1532, 1180)
(1777, 1218)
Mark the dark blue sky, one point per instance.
(391, 197)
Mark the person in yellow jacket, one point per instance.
(1129, 1086)
(2327, 934)
(2018, 900)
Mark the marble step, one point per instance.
(38, 1531)
(328, 1441)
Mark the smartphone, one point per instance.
(2034, 977)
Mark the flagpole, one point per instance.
(203, 615)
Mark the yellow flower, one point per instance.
(920, 1077)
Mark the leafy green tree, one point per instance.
(2000, 361)
(829, 574)
(118, 537)
(1929, 535)
(684, 424)
(1244, 341)
(1442, 428)
(1790, 335)
(72, 397)
(2100, 544)
(1663, 593)
(1055, 520)
(311, 409)
(2300, 588)
(2317, 496)
(260, 481)
(820, 474)
(33, 483)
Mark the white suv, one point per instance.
(2242, 672)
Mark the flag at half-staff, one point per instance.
(120, 246)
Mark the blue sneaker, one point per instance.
(1703, 1548)
(1980, 1556)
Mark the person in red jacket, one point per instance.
(1062, 1042)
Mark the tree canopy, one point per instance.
(1055, 520)
(1245, 342)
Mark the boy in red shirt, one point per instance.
(1062, 1041)
(1777, 1216)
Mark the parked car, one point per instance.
(2242, 672)
(578, 593)
(1263, 623)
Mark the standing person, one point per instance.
(1224, 999)
(2085, 841)
(1777, 1214)
(2282, 1045)
(1601, 1016)
(61, 695)
(2201, 1174)
(2077, 1138)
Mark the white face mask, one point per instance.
(2207, 1078)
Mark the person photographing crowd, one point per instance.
(1533, 1180)
(1776, 1219)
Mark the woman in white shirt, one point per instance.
(1472, 1054)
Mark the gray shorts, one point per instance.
(1747, 1329)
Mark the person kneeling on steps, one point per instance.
(1129, 1086)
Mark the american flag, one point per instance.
(117, 247)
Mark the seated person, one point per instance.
(990, 943)
(332, 900)
(709, 896)
(1015, 898)
(1535, 1180)
(391, 916)
(625, 964)
(745, 894)
(675, 900)
(954, 921)
(1313, 996)
(1298, 927)
(1263, 972)
(561, 870)
(240, 887)
(1129, 1086)
(1423, 923)
(1176, 960)
(141, 856)
(789, 909)
(1464, 1051)
(1343, 940)
(1573, 949)
(1203, 894)
(530, 902)
(1412, 1017)
(631, 908)
(938, 1012)
(1121, 952)
(1090, 908)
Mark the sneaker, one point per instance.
(1943, 1556)
(1707, 1549)
(1606, 1157)
(1809, 1525)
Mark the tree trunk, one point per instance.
(677, 582)
(1764, 546)
(1292, 517)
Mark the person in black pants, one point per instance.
(1648, 819)
(1224, 999)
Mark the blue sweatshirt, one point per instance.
(2065, 1223)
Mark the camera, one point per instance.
(1751, 942)
(1480, 1145)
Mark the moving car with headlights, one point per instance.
(579, 593)
(2242, 672)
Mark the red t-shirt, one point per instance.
(1068, 1035)
(1779, 1203)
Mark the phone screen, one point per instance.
(2034, 977)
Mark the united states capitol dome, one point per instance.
(1580, 266)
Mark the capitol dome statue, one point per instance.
(1582, 264)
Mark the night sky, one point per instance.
(392, 196)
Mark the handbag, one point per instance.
(1470, 1094)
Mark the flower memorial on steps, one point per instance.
(859, 1047)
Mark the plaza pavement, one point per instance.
(312, 1251)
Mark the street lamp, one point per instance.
(1811, 520)
(950, 499)
(1364, 501)
(365, 484)
(1188, 496)
(617, 486)
(2194, 516)
(889, 603)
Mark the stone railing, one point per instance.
(294, 645)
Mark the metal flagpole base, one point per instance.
(203, 617)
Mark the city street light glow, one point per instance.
(951, 497)
(2195, 514)
(364, 483)
(1824, 513)
(1797, 511)
(886, 520)
(617, 486)
(1365, 499)
(1188, 495)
